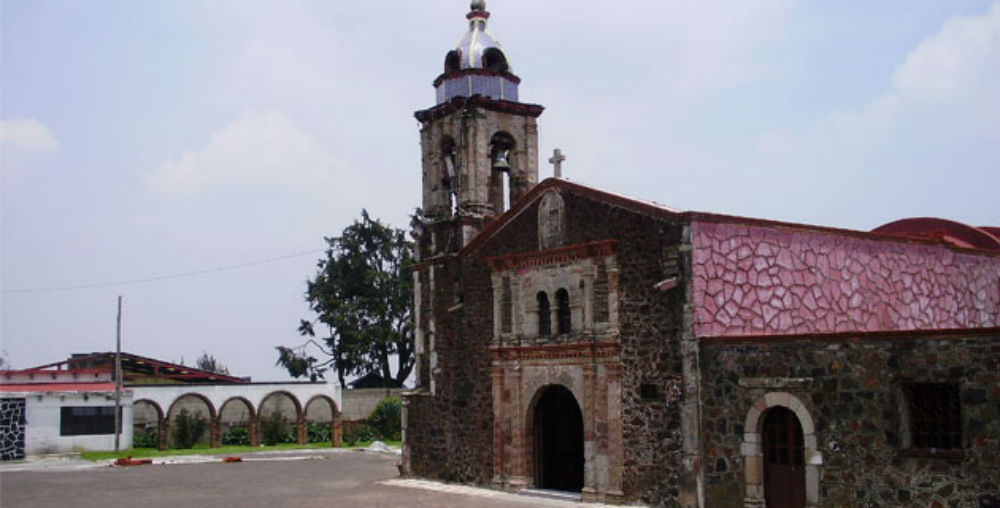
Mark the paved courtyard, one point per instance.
(301, 479)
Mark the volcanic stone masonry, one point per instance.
(11, 429)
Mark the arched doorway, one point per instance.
(784, 459)
(558, 440)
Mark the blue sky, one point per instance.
(145, 138)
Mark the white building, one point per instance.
(57, 417)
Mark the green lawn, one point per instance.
(205, 450)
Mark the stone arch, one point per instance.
(177, 405)
(295, 418)
(232, 416)
(535, 452)
(495, 61)
(502, 164)
(142, 421)
(753, 457)
(329, 414)
(452, 61)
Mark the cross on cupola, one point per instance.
(556, 160)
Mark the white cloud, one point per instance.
(933, 132)
(24, 141)
(260, 150)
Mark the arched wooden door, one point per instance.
(784, 464)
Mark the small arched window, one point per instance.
(494, 61)
(544, 317)
(452, 61)
(565, 322)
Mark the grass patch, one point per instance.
(203, 449)
(200, 449)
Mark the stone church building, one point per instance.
(576, 340)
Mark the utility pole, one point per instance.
(118, 377)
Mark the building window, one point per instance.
(544, 319)
(87, 420)
(933, 416)
(562, 297)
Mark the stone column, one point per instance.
(500, 428)
(518, 467)
(588, 300)
(591, 423)
(162, 434)
(300, 434)
(612, 270)
(497, 281)
(613, 392)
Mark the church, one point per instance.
(575, 340)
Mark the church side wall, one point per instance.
(852, 388)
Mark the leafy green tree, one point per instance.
(363, 297)
(209, 363)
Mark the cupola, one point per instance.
(478, 65)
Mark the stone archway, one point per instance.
(147, 416)
(285, 407)
(556, 440)
(197, 405)
(322, 411)
(237, 413)
(753, 453)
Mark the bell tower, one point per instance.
(479, 144)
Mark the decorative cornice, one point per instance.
(460, 103)
(556, 351)
(550, 256)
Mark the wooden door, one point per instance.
(784, 468)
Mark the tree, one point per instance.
(209, 363)
(362, 296)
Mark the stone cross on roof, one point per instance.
(556, 161)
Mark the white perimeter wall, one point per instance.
(43, 415)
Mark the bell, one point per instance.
(500, 162)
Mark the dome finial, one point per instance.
(478, 5)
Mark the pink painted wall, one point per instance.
(753, 280)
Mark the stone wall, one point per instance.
(778, 279)
(852, 389)
(12, 429)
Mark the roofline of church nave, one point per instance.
(690, 216)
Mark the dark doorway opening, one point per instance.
(558, 436)
(784, 465)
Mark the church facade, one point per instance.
(577, 340)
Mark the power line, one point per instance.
(163, 277)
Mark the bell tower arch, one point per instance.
(479, 144)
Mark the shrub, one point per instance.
(318, 432)
(273, 431)
(236, 436)
(188, 429)
(358, 433)
(385, 419)
(148, 438)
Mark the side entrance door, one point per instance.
(784, 471)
